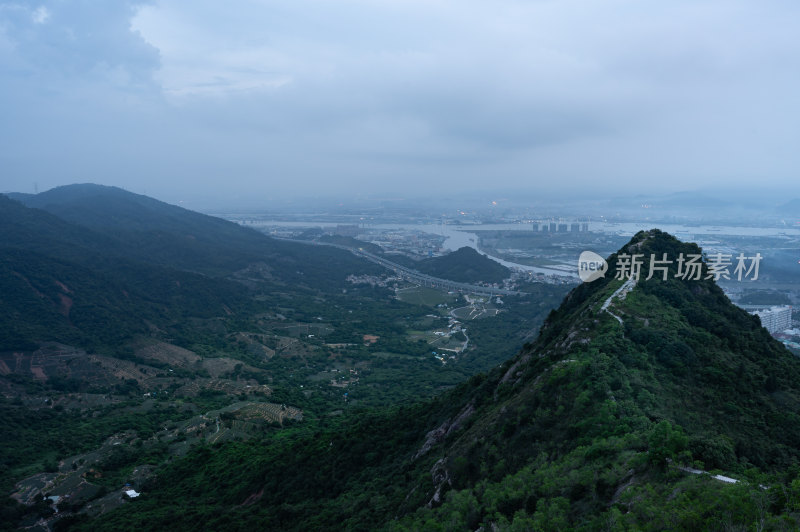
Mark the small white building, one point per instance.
(775, 319)
(131, 493)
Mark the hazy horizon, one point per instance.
(737, 206)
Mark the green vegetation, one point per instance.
(764, 297)
(464, 265)
(126, 344)
(585, 428)
(243, 383)
(421, 295)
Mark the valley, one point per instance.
(598, 423)
(148, 360)
(515, 266)
(298, 385)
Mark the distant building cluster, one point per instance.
(554, 227)
(775, 319)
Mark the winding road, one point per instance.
(413, 275)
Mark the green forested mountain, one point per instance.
(242, 382)
(120, 258)
(135, 227)
(464, 265)
(607, 421)
(67, 283)
(45, 299)
(132, 332)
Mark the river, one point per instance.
(458, 236)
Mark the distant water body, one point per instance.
(459, 236)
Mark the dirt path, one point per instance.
(620, 292)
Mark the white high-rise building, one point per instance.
(775, 319)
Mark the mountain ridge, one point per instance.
(143, 229)
(132, 259)
(580, 430)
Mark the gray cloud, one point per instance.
(259, 97)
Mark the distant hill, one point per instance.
(605, 422)
(144, 229)
(464, 265)
(790, 208)
(85, 256)
(153, 231)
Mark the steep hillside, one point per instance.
(44, 233)
(123, 346)
(45, 300)
(464, 265)
(603, 423)
(107, 208)
(66, 283)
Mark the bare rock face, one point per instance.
(445, 429)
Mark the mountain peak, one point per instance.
(704, 360)
(655, 263)
(627, 377)
(76, 192)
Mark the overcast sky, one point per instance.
(264, 98)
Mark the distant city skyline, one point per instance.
(249, 101)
